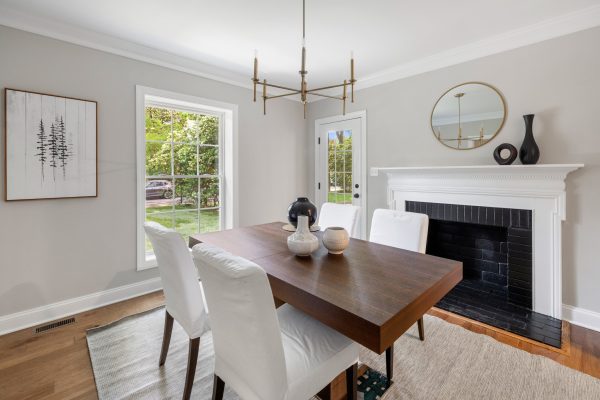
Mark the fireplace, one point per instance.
(495, 246)
(528, 205)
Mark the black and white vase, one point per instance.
(302, 206)
(530, 152)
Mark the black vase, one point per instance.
(530, 152)
(302, 206)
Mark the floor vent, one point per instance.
(54, 325)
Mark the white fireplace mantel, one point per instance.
(540, 188)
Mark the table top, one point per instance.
(372, 293)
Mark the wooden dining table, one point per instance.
(371, 293)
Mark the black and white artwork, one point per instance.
(50, 146)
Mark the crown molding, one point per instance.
(545, 30)
(113, 45)
(548, 29)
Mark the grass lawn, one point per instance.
(345, 198)
(184, 220)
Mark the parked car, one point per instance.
(159, 189)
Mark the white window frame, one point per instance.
(228, 114)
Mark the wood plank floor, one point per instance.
(56, 364)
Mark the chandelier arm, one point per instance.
(325, 95)
(324, 88)
(282, 87)
(283, 95)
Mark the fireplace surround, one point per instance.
(537, 189)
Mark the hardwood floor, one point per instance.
(56, 364)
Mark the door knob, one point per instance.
(356, 195)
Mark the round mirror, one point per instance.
(468, 116)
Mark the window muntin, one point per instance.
(184, 169)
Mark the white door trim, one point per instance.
(362, 115)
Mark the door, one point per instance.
(340, 163)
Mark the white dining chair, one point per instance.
(404, 230)
(344, 215)
(183, 294)
(262, 352)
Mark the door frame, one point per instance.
(362, 115)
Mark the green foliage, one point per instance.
(192, 148)
(340, 168)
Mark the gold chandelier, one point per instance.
(304, 91)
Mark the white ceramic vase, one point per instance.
(336, 239)
(302, 242)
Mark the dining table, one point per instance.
(370, 293)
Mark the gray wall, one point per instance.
(51, 250)
(558, 80)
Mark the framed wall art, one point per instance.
(50, 146)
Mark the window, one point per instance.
(339, 153)
(184, 162)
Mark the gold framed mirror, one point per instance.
(468, 115)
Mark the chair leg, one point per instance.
(218, 388)
(351, 376)
(191, 367)
(166, 338)
(389, 363)
(421, 329)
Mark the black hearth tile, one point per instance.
(505, 217)
(522, 262)
(519, 265)
(429, 209)
(503, 269)
(489, 212)
(488, 266)
(494, 278)
(520, 300)
(497, 217)
(522, 248)
(433, 214)
(524, 240)
(525, 218)
(557, 323)
(407, 206)
(486, 244)
(552, 342)
(519, 291)
(467, 217)
(522, 276)
(518, 283)
(460, 213)
(491, 255)
(504, 247)
(516, 231)
(452, 215)
(514, 218)
(519, 254)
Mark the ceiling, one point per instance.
(220, 36)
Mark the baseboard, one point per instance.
(35, 316)
(582, 317)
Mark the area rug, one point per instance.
(452, 363)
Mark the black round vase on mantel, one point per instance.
(529, 152)
(302, 206)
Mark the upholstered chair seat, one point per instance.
(262, 352)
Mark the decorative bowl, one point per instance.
(336, 239)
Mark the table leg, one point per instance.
(389, 364)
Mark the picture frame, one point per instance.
(50, 146)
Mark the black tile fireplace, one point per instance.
(495, 247)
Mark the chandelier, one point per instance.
(304, 91)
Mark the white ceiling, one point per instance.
(220, 36)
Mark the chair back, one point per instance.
(183, 295)
(246, 334)
(344, 215)
(405, 230)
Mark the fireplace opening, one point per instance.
(495, 247)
